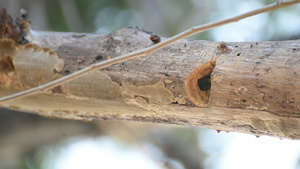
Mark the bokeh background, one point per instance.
(32, 142)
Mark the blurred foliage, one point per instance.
(95, 14)
(165, 18)
(56, 21)
(34, 142)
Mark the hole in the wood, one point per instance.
(204, 83)
(99, 57)
(198, 83)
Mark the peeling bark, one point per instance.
(255, 86)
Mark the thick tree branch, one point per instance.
(146, 51)
(255, 85)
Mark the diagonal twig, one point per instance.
(146, 51)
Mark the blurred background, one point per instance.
(32, 142)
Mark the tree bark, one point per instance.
(255, 86)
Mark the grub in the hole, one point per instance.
(204, 83)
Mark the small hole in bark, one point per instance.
(99, 57)
(67, 71)
(204, 83)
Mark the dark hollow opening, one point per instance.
(204, 83)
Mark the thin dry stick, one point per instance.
(145, 51)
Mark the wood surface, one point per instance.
(255, 86)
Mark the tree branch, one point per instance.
(145, 51)
(255, 85)
(249, 87)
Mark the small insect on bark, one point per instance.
(155, 38)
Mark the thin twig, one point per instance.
(145, 51)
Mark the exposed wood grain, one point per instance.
(255, 85)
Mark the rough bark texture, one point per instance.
(255, 85)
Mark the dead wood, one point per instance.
(254, 85)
